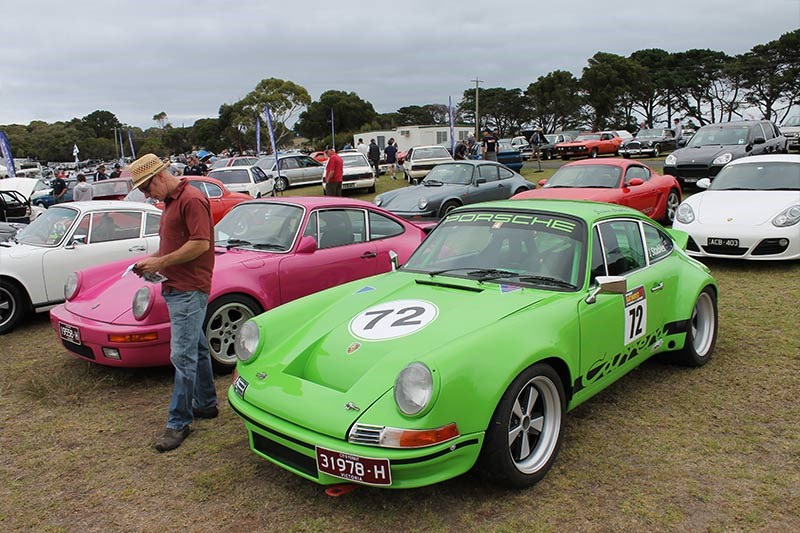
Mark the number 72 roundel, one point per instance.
(390, 320)
(635, 314)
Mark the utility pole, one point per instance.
(477, 116)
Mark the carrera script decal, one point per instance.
(497, 219)
(635, 314)
(390, 320)
(608, 364)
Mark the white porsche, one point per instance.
(750, 211)
(68, 237)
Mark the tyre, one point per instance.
(447, 207)
(13, 306)
(41, 204)
(593, 153)
(518, 191)
(701, 331)
(671, 207)
(371, 190)
(626, 156)
(524, 434)
(656, 150)
(224, 318)
(281, 184)
(547, 154)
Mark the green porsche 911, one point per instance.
(506, 317)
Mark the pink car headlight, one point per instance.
(142, 302)
(72, 286)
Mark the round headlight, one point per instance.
(684, 214)
(423, 203)
(71, 286)
(724, 159)
(378, 200)
(141, 302)
(246, 342)
(671, 160)
(413, 388)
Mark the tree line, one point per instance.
(649, 86)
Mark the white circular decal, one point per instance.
(390, 320)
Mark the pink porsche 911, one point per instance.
(268, 252)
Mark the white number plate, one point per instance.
(353, 467)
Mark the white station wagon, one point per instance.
(68, 237)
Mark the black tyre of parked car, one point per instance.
(13, 305)
(656, 150)
(281, 184)
(547, 154)
(593, 154)
(447, 207)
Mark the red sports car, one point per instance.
(221, 199)
(590, 145)
(614, 181)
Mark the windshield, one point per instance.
(792, 121)
(520, 248)
(266, 163)
(643, 134)
(431, 153)
(354, 160)
(49, 228)
(230, 176)
(264, 226)
(715, 135)
(105, 188)
(587, 138)
(777, 176)
(592, 176)
(551, 138)
(451, 174)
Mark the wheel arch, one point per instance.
(21, 286)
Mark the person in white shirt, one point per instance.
(363, 148)
(83, 191)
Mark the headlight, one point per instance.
(247, 341)
(141, 302)
(685, 214)
(71, 286)
(413, 388)
(423, 203)
(724, 159)
(378, 200)
(787, 217)
(671, 160)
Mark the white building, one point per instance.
(407, 136)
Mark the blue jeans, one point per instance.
(194, 380)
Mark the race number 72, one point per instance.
(393, 319)
(635, 314)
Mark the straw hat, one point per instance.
(145, 168)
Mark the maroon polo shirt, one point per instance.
(187, 217)
(335, 168)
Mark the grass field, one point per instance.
(665, 449)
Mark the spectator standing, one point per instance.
(334, 170)
(101, 173)
(117, 172)
(489, 146)
(375, 157)
(83, 191)
(676, 125)
(363, 148)
(391, 156)
(536, 140)
(59, 188)
(186, 258)
(195, 167)
(461, 150)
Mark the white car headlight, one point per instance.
(423, 203)
(413, 388)
(378, 200)
(247, 341)
(142, 300)
(671, 160)
(685, 214)
(71, 286)
(723, 159)
(788, 217)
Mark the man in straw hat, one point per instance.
(186, 258)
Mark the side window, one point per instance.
(637, 172)
(767, 129)
(381, 227)
(258, 175)
(311, 227)
(505, 173)
(199, 185)
(659, 245)
(340, 227)
(489, 172)
(115, 226)
(213, 191)
(289, 163)
(308, 162)
(83, 229)
(598, 265)
(622, 243)
(151, 224)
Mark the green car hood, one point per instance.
(313, 374)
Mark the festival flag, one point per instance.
(75, 152)
(333, 132)
(121, 149)
(130, 140)
(272, 137)
(452, 127)
(5, 147)
(258, 136)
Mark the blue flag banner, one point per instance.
(333, 132)
(130, 140)
(258, 136)
(5, 147)
(452, 127)
(121, 149)
(272, 137)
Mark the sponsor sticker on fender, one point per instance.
(635, 314)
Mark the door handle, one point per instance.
(137, 248)
(368, 255)
(657, 287)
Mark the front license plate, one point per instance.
(354, 468)
(727, 243)
(69, 333)
(348, 185)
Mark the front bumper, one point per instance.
(94, 338)
(753, 245)
(358, 184)
(651, 152)
(293, 448)
(692, 173)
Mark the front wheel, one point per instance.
(593, 154)
(281, 184)
(671, 207)
(524, 435)
(447, 207)
(12, 306)
(656, 150)
(224, 319)
(701, 331)
(547, 155)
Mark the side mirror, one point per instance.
(77, 239)
(478, 181)
(394, 260)
(703, 183)
(308, 245)
(759, 140)
(542, 183)
(635, 182)
(608, 285)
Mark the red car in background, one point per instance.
(112, 189)
(614, 181)
(590, 145)
(221, 199)
(319, 156)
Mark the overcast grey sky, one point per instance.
(61, 60)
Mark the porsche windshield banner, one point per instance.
(498, 220)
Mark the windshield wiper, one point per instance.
(482, 274)
(268, 246)
(432, 182)
(236, 242)
(547, 279)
